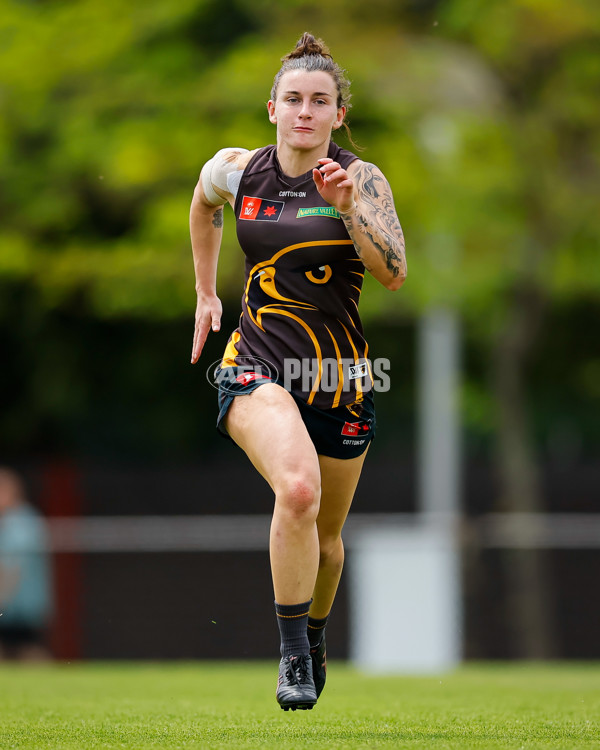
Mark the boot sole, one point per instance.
(300, 706)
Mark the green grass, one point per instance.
(222, 705)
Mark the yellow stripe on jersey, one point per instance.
(338, 354)
(359, 393)
(348, 313)
(308, 329)
(231, 352)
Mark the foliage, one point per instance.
(482, 114)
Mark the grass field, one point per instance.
(222, 705)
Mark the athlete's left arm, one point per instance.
(371, 220)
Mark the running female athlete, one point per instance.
(295, 382)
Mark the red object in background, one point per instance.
(60, 495)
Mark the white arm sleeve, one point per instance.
(215, 172)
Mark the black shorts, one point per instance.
(342, 432)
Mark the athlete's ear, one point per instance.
(271, 108)
(341, 113)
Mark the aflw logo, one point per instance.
(260, 209)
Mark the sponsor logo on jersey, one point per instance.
(260, 209)
(354, 429)
(318, 211)
(292, 194)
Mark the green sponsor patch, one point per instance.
(318, 211)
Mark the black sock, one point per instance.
(292, 621)
(316, 629)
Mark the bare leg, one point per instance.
(267, 425)
(339, 478)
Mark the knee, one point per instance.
(299, 496)
(331, 552)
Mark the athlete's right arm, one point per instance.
(206, 231)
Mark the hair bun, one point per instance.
(308, 45)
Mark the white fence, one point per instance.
(251, 532)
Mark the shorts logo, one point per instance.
(318, 211)
(353, 429)
(260, 209)
(248, 377)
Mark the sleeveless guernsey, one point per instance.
(300, 322)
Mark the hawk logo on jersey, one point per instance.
(294, 284)
(260, 209)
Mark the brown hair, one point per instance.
(311, 55)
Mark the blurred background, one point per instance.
(484, 116)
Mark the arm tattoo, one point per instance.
(375, 218)
(217, 221)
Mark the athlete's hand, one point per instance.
(208, 317)
(334, 185)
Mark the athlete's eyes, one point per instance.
(296, 100)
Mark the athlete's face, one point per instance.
(305, 110)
